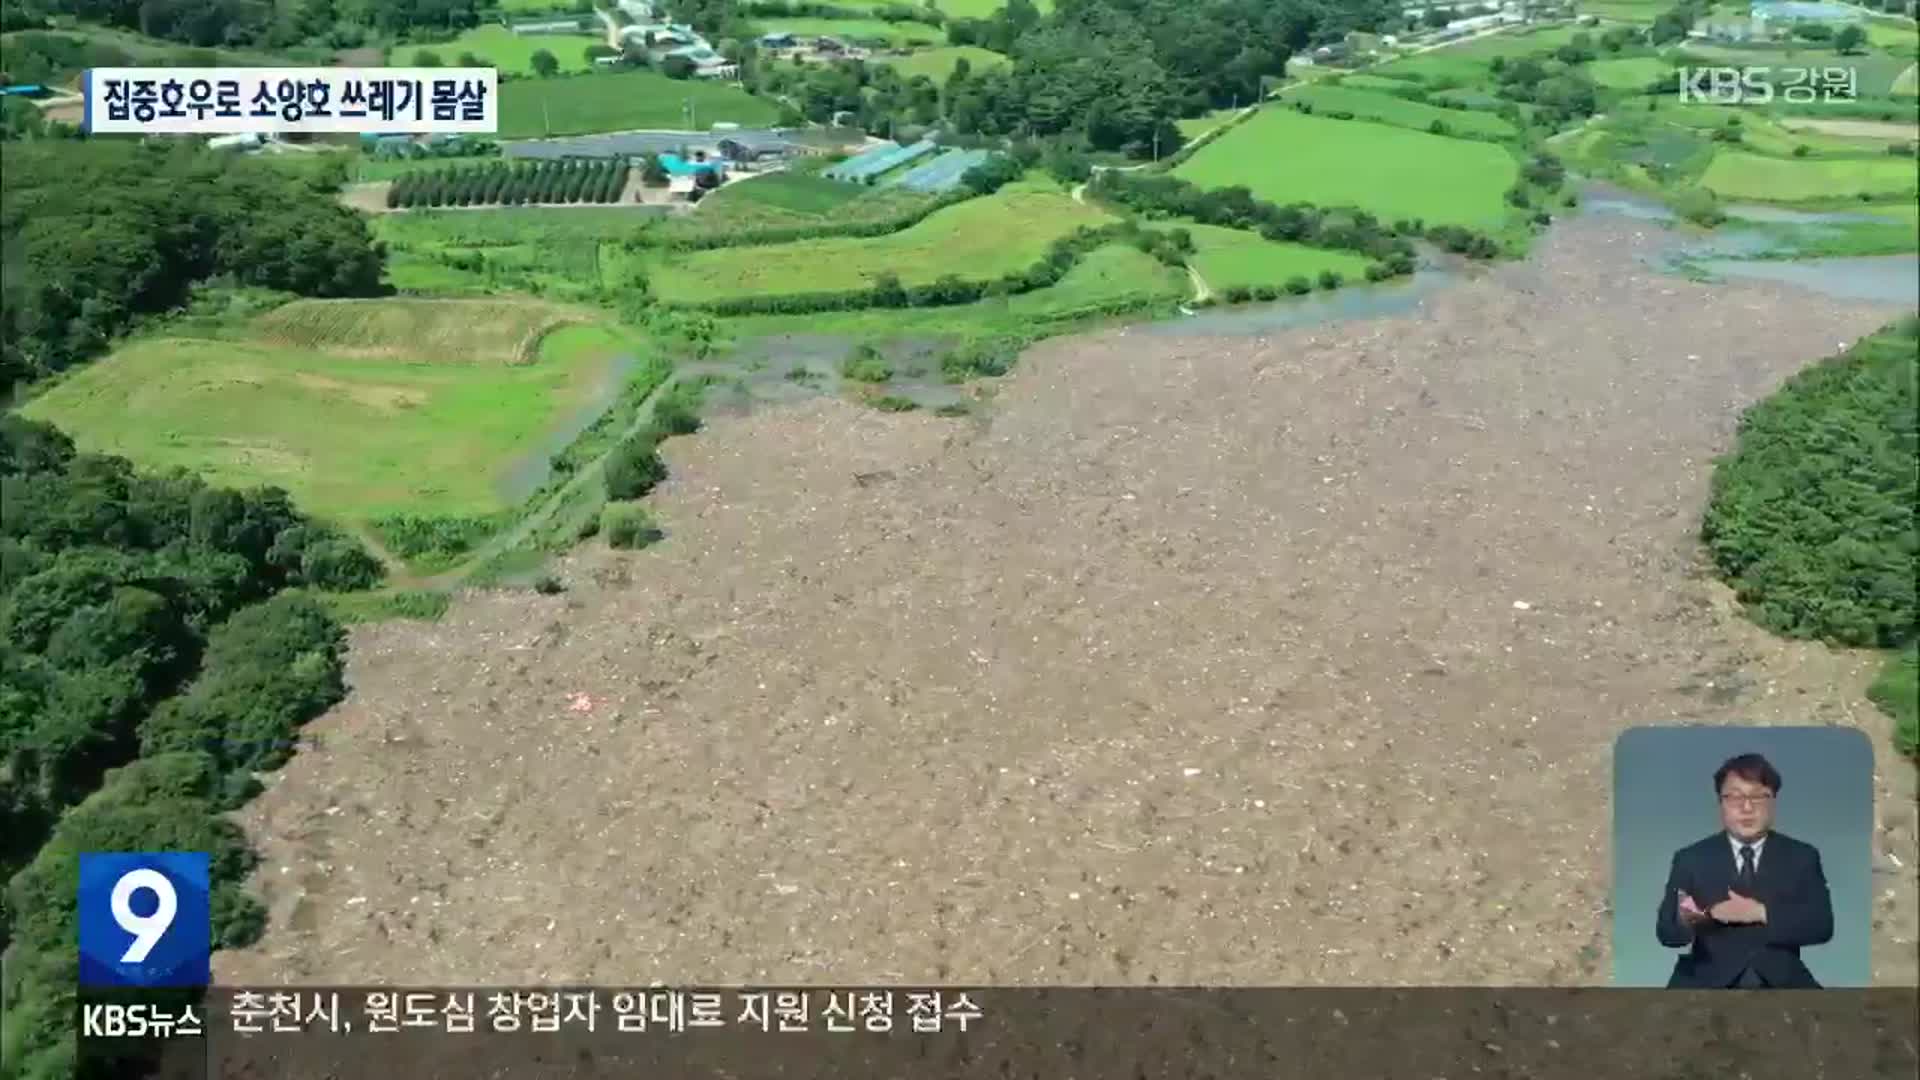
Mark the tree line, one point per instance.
(1108, 75)
(159, 650)
(1811, 517)
(500, 183)
(318, 24)
(102, 233)
(1166, 196)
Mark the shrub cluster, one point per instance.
(1236, 208)
(788, 234)
(1811, 517)
(161, 648)
(515, 184)
(888, 292)
(633, 467)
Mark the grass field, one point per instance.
(351, 438)
(1467, 62)
(937, 64)
(1387, 109)
(1192, 127)
(980, 9)
(1229, 257)
(455, 331)
(509, 51)
(626, 101)
(1366, 81)
(789, 199)
(894, 33)
(555, 249)
(1284, 156)
(1736, 174)
(1105, 276)
(1898, 39)
(1628, 73)
(976, 239)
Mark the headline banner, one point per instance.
(239, 101)
(1057, 1034)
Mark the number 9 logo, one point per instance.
(147, 930)
(170, 945)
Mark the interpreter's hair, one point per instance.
(1752, 768)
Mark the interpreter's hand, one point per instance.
(1737, 910)
(1691, 913)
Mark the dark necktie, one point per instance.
(1743, 884)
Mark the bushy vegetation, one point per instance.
(633, 467)
(149, 619)
(866, 364)
(1812, 515)
(102, 233)
(1112, 75)
(1236, 208)
(887, 291)
(627, 526)
(236, 23)
(499, 183)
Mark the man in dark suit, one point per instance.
(1747, 899)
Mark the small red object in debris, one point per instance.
(580, 703)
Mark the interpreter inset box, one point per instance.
(1742, 857)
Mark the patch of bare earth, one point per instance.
(1202, 661)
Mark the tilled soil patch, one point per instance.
(1293, 660)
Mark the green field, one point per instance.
(624, 101)
(848, 30)
(1629, 73)
(789, 200)
(1901, 39)
(937, 64)
(977, 239)
(1193, 127)
(557, 250)
(1229, 257)
(1364, 81)
(1107, 275)
(507, 50)
(1467, 62)
(795, 193)
(349, 437)
(1736, 174)
(1387, 109)
(1284, 156)
(980, 9)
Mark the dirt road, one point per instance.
(1200, 660)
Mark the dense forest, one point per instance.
(1110, 75)
(1812, 516)
(98, 234)
(157, 652)
(257, 23)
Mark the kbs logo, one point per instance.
(144, 919)
(1759, 85)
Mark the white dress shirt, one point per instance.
(1759, 848)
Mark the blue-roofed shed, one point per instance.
(25, 90)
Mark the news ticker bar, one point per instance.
(1230, 1034)
(280, 101)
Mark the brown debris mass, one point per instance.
(1201, 660)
